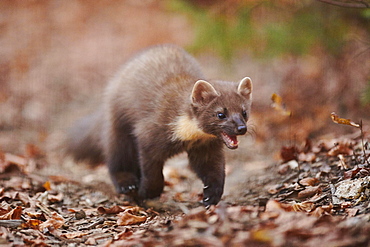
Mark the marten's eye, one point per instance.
(244, 113)
(221, 115)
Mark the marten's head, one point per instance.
(222, 108)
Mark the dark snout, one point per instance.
(240, 125)
(241, 129)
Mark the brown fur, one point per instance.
(158, 106)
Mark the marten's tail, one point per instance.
(83, 140)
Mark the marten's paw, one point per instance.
(126, 183)
(128, 189)
(211, 195)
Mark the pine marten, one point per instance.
(157, 106)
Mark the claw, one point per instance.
(132, 187)
(206, 199)
(128, 189)
(206, 187)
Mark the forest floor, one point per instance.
(56, 57)
(316, 195)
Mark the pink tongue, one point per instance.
(234, 139)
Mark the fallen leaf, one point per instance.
(279, 106)
(303, 206)
(60, 179)
(32, 151)
(338, 120)
(288, 153)
(113, 210)
(77, 234)
(323, 210)
(309, 181)
(35, 242)
(275, 206)
(353, 173)
(341, 148)
(124, 234)
(32, 223)
(47, 185)
(55, 198)
(14, 214)
(309, 191)
(127, 218)
(55, 221)
(15, 159)
(307, 157)
(283, 169)
(262, 236)
(352, 211)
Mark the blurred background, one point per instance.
(57, 56)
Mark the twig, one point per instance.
(354, 4)
(363, 144)
(11, 223)
(94, 224)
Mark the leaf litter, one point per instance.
(317, 195)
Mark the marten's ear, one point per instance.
(245, 87)
(203, 92)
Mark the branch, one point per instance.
(353, 4)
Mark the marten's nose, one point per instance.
(241, 129)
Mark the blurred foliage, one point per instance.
(366, 95)
(270, 28)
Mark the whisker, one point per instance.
(251, 131)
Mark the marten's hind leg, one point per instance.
(122, 160)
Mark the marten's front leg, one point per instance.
(152, 179)
(208, 162)
(123, 161)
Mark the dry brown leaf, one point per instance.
(15, 159)
(127, 218)
(47, 185)
(283, 169)
(309, 191)
(55, 198)
(124, 234)
(14, 214)
(71, 235)
(288, 153)
(338, 120)
(323, 210)
(262, 235)
(113, 210)
(279, 106)
(35, 242)
(9, 162)
(341, 148)
(91, 241)
(353, 173)
(352, 211)
(303, 206)
(309, 181)
(11, 159)
(35, 215)
(307, 157)
(275, 206)
(32, 223)
(23, 197)
(54, 222)
(32, 151)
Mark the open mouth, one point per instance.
(230, 141)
